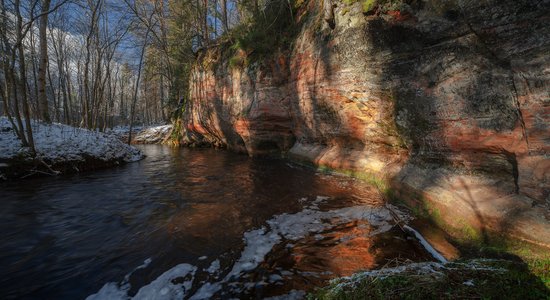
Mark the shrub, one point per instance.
(274, 28)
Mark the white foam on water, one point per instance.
(318, 201)
(144, 265)
(299, 225)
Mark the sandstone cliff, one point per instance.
(449, 104)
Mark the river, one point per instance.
(199, 223)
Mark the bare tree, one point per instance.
(136, 88)
(42, 69)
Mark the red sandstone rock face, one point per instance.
(451, 105)
(246, 111)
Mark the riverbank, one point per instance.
(61, 149)
(200, 215)
(464, 279)
(485, 263)
(142, 135)
(153, 135)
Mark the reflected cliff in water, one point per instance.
(251, 228)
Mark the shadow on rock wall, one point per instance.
(442, 104)
(459, 105)
(446, 102)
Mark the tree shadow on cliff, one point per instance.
(310, 66)
(321, 105)
(453, 104)
(207, 109)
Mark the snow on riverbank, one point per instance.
(143, 135)
(153, 135)
(62, 144)
(465, 279)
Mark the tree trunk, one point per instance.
(132, 110)
(23, 77)
(55, 99)
(163, 115)
(42, 68)
(205, 20)
(224, 17)
(87, 110)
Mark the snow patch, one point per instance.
(172, 284)
(292, 295)
(214, 267)
(259, 242)
(426, 245)
(153, 135)
(469, 282)
(61, 143)
(433, 268)
(207, 291)
(112, 291)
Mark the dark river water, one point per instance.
(197, 224)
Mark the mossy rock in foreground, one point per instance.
(473, 279)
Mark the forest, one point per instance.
(97, 64)
(274, 149)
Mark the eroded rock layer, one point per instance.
(447, 103)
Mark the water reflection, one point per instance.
(64, 238)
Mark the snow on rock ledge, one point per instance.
(67, 149)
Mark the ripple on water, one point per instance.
(212, 222)
(345, 234)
